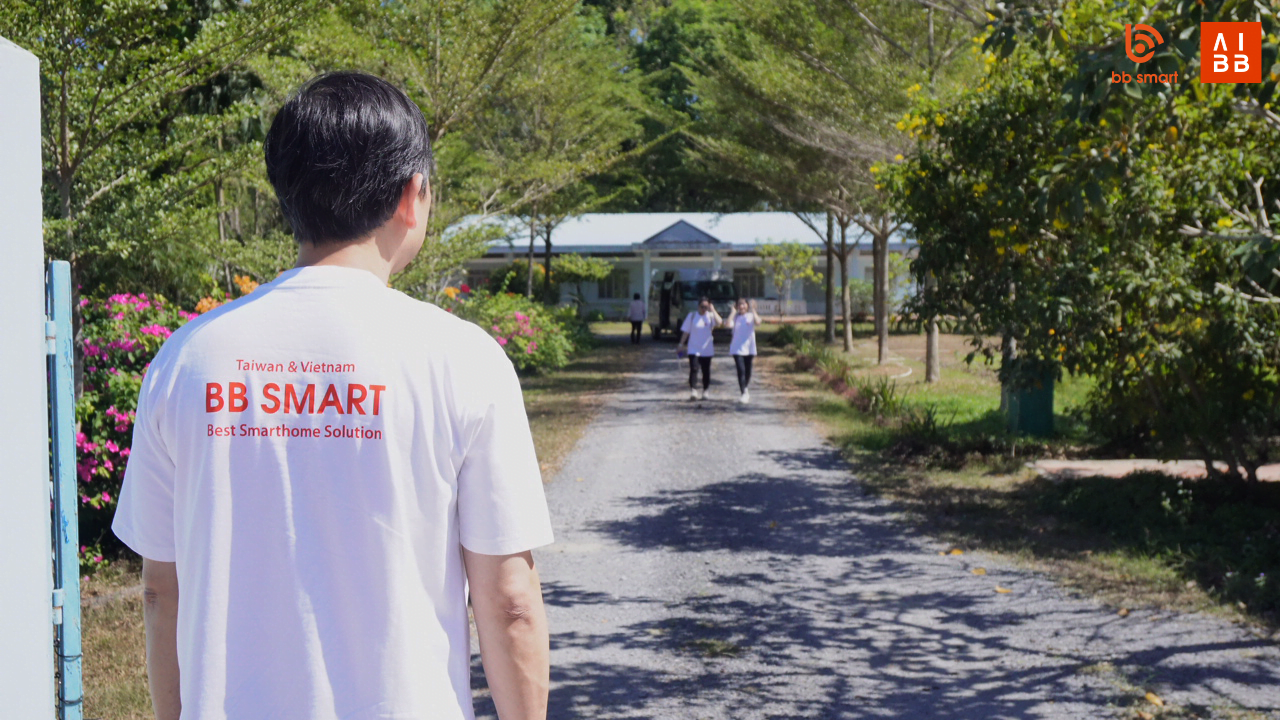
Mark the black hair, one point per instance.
(340, 152)
(635, 296)
(704, 299)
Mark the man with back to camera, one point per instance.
(321, 468)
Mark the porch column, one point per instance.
(715, 259)
(647, 273)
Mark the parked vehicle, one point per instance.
(675, 293)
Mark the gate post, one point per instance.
(26, 583)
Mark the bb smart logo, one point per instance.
(1140, 43)
(1143, 46)
(1230, 52)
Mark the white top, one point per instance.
(744, 335)
(638, 311)
(314, 457)
(699, 328)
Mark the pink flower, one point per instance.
(501, 341)
(84, 500)
(497, 329)
(521, 316)
(111, 446)
(533, 347)
(97, 558)
(84, 302)
(464, 288)
(156, 330)
(106, 497)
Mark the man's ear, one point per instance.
(411, 210)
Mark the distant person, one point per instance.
(744, 320)
(637, 313)
(321, 469)
(698, 342)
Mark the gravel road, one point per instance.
(718, 561)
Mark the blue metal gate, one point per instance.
(66, 529)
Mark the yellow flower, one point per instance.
(914, 89)
(898, 157)
(1084, 145)
(937, 119)
(1021, 248)
(206, 304)
(979, 189)
(1000, 251)
(996, 233)
(1059, 224)
(1171, 133)
(1248, 395)
(1051, 331)
(1225, 222)
(901, 125)
(452, 292)
(1009, 135)
(875, 169)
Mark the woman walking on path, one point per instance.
(742, 347)
(636, 314)
(697, 340)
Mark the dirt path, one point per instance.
(720, 561)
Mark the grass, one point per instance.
(560, 406)
(1144, 540)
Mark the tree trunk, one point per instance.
(932, 362)
(533, 237)
(782, 301)
(846, 298)
(831, 282)
(546, 269)
(880, 262)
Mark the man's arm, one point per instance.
(506, 599)
(160, 615)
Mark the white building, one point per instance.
(644, 245)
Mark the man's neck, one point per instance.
(359, 254)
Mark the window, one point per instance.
(750, 283)
(615, 287)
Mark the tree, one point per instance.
(1125, 235)
(569, 116)
(576, 269)
(786, 263)
(831, 77)
(126, 159)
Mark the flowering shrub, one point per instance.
(534, 336)
(119, 337)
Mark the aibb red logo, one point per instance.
(1230, 52)
(1143, 46)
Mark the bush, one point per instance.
(786, 336)
(118, 339)
(535, 337)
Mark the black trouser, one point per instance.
(743, 363)
(635, 330)
(694, 362)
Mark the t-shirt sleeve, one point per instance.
(687, 325)
(502, 508)
(144, 514)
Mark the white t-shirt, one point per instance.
(744, 335)
(314, 457)
(699, 328)
(638, 311)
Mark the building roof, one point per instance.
(681, 234)
(618, 232)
